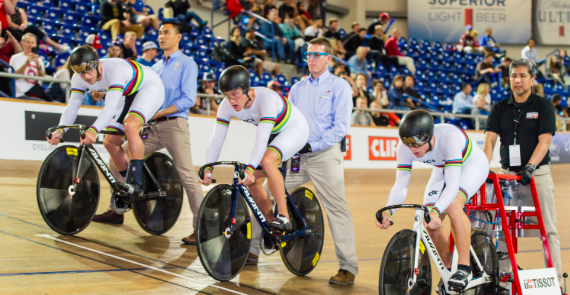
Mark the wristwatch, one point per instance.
(532, 166)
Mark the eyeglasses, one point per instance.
(415, 141)
(315, 55)
(234, 95)
(85, 67)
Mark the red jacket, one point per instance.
(392, 47)
(234, 7)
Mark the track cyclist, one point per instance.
(460, 168)
(133, 94)
(282, 131)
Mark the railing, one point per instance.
(44, 79)
(223, 21)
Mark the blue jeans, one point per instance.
(279, 48)
(190, 15)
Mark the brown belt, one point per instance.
(164, 119)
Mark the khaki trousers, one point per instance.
(174, 135)
(545, 191)
(117, 28)
(325, 169)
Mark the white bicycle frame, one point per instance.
(423, 236)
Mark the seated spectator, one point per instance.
(396, 95)
(380, 93)
(383, 118)
(486, 72)
(362, 118)
(150, 51)
(237, 52)
(282, 44)
(93, 41)
(361, 89)
(529, 52)
(393, 51)
(314, 8)
(338, 68)
(352, 41)
(463, 101)
(409, 89)
(8, 47)
(303, 14)
(254, 47)
(275, 86)
(181, 13)
(115, 50)
(334, 36)
(467, 42)
(505, 78)
(484, 91)
(487, 41)
(130, 46)
(359, 60)
(18, 25)
(113, 19)
(378, 49)
(57, 90)
(559, 111)
(29, 64)
(290, 32)
(555, 69)
(480, 109)
(208, 86)
(253, 8)
(234, 8)
(382, 20)
(314, 31)
(267, 6)
(94, 98)
(138, 14)
(288, 7)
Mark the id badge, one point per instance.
(295, 163)
(514, 155)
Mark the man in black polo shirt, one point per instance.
(526, 123)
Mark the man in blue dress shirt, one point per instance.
(326, 102)
(169, 127)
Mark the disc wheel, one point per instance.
(66, 210)
(485, 249)
(301, 254)
(223, 256)
(397, 267)
(158, 215)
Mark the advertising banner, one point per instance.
(539, 281)
(445, 20)
(552, 19)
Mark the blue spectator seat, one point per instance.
(394, 71)
(89, 21)
(95, 9)
(470, 69)
(23, 5)
(381, 70)
(421, 86)
(342, 32)
(47, 3)
(422, 65)
(187, 50)
(459, 68)
(437, 47)
(281, 79)
(294, 80)
(470, 59)
(405, 72)
(447, 67)
(36, 11)
(102, 52)
(457, 57)
(82, 8)
(548, 88)
(559, 88)
(430, 76)
(149, 9)
(446, 56)
(160, 17)
(435, 66)
(455, 88)
(266, 77)
(218, 72)
(65, 5)
(442, 77)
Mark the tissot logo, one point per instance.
(539, 283)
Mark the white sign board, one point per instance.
(552, 20)
(539, 281)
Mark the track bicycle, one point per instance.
(223, 235)
(68, 188)
(406, 268)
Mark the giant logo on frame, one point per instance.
(382, 148)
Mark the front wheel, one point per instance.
(65, 207)
(223, 255)
(485, 250)
(397, 267)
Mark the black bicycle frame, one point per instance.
(257, 212)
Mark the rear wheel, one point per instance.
(67, 209)
(301, 254)
(159, 214)
(223, 256)
(397, 267)
(485, 249)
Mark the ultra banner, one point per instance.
(552, 21)
(445, 20)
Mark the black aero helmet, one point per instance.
(84, 59)
(416, 128)
(234, 77)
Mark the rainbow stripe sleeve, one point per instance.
(267, 120)
(94, 129)
(250, 167)
(222, 121)
(138, 115)
(116, 87)
(464, 193)
(78, 91)
(453, 163)
(277, 150)
(434, 209)
(404, 167)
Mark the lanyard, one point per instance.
(517, 120)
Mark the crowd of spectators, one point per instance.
(362, 50)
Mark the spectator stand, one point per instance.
(13, 86)
(44, 79)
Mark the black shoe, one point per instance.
(459, 280)
(280, 223)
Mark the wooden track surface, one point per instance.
(34, 264)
